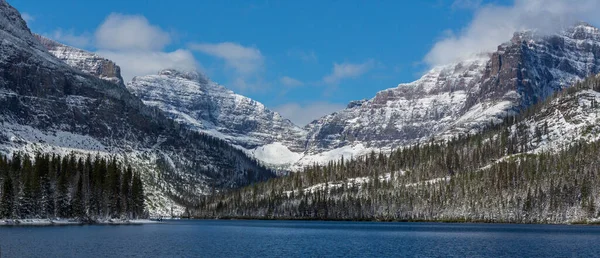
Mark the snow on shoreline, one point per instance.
(67, 222)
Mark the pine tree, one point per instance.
(62, 200)
(113, 186)
(126, 196)
(137, 192)
(7, 202)
(78, 203)
(28, 201)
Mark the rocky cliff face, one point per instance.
(83, 60)
(208, 107)
(464, 97)
(211, 108)
(399, 116)
(49, 106)
(535, 66)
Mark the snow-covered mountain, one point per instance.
(459, 98)
(205, 106)
(399, 116)
(48, 106)
(463, 97)
(83, 60)
(449, 100)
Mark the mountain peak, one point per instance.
(582, 24)
(82, 60)
(578, 31)
(189, 75)
(356, 103)
(11, 21)
(582, 31)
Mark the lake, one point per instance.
(208, 238)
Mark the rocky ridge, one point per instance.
(467, 96)
(83, 60)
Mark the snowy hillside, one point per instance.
(569, 118)
(209, 107)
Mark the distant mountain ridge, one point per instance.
(466, 96)
(449, 100)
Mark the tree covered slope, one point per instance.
(87, 190)
(521, 171)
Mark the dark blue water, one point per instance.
(301, 239)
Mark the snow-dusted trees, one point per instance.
(66, 187)
(492, 176)
(431, 182)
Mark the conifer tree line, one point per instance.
(489, 177)
(51, 186)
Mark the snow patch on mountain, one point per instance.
(347, 152)
(409, 113)
(276, 154)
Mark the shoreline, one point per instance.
(71, 222)
(582, 223)
(119, 222)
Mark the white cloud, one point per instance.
(70, 38)
(137, 46)
(302, 114)
(347, 70)
(494, 24)
(290, 82)
(27, 17)
(133, 43)
(244, 60)
(130, 32)
(135, 63)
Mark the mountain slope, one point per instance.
(464, 97)
(399, 116)
(205, 106)
(48, 106)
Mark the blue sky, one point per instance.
(302, 58)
